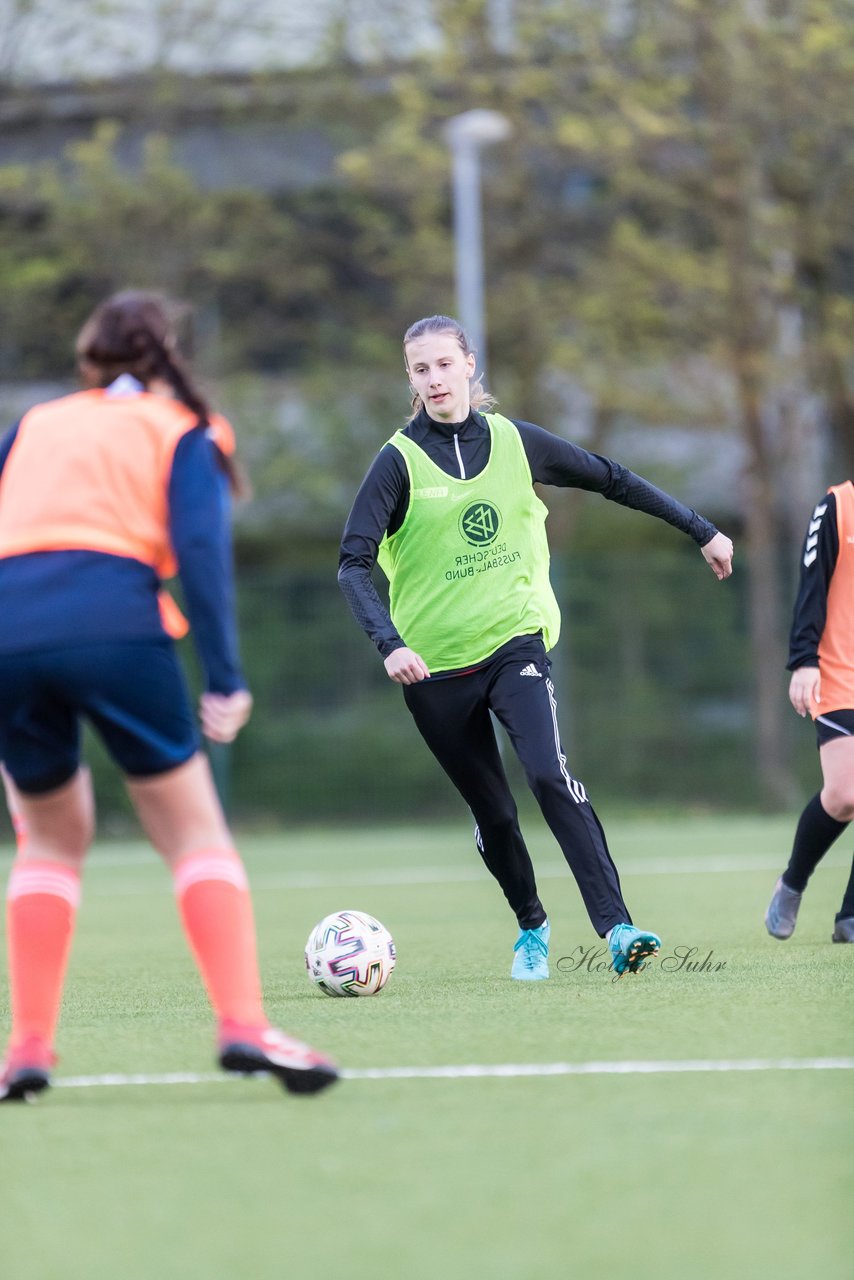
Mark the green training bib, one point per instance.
(469, 567)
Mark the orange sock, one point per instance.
(216, 911)
(41, 907)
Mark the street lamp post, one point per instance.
(466, 134)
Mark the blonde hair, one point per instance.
(480, 398)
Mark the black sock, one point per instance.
(846, 911)
(815, 834)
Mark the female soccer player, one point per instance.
(449, 510)
(821, 660)
(103, 494)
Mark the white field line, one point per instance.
(549, 871)
(476, 1071)
(406, 876)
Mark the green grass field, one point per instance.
(707, 1174)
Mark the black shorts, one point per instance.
(835, 724)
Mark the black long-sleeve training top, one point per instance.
(818, 560)
(462, 449)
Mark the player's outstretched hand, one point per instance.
(804, 686)
(223, 715)
(404, 666)
(718, 552)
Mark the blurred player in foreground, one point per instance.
(821, 660)
(449, 509)
(103, 494)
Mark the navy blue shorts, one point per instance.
(133, 693)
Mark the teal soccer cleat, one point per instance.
(630, 947)
(531, 959)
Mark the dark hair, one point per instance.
(135, 332)
(479, 396)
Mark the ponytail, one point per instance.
(134, 332)
(171, 368)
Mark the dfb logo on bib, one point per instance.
(479, 523)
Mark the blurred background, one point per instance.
(652, 236)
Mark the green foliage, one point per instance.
(603, 212)
(652, 685)
(675, 197)
(77, 231)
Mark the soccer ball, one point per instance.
(350, 954)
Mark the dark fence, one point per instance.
(653, 684)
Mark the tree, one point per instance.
(668, 233)
(667, 196)
(78, 230)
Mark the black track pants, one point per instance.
(452, 715)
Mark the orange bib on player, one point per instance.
(90, 472)
(836, 647)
